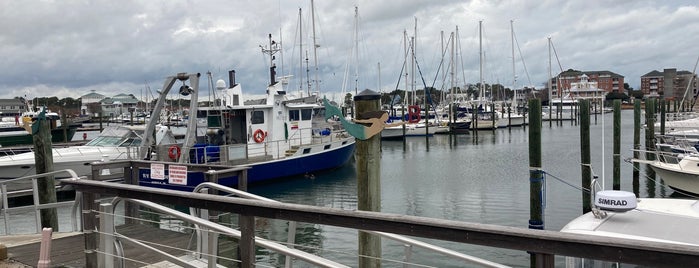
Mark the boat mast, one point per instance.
(514, 74)
(480, 61)
(356, 50)
(315, 48)
(549, 82)
(300, 53)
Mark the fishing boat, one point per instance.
(619, 214)
(17, 131)
(277, 136)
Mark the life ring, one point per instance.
(413, 114)
(174, 152)
(259, 135)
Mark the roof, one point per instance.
(653, 73)
(8, 102)
(93, 95)
(576, 73)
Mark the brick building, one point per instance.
(606, 80)
(669, 83)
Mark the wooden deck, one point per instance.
(69, 251)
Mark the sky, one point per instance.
(69, 48)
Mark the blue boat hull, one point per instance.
(263, 171)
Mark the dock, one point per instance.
(68, 249)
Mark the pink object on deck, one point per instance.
(45, 251)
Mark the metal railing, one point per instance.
(36, 207)
(541, 243)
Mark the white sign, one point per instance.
(157, 171)
(178, 175)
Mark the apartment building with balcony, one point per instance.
(670, 83)
(606, 80)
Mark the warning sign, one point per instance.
(178, 175)
(157, 171)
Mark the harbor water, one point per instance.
(479, 177)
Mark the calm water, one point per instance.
(479, 178)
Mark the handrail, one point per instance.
(310, 258)
(650, 253)
(395, 237)
(4, 201)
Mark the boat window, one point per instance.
(105, 141)
(257, 117)
(327, 146)
(306, 114)
(307, 150)
(294, 115)
(131, 142)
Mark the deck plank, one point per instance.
(69, 251)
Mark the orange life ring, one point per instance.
(259, 135)
(413, 114)
(174, 152)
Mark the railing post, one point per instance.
(247, 240)
(130, 209)
(106, 259)
(212, 240)
(88, 218)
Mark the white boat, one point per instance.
(113, 143)
(277, 137)
(620, 215)
(411, 130)
(682, 175)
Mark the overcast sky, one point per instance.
(68, 48)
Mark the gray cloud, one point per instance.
(67, 48)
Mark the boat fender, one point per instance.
(259, 135)
(413, 114)
(618, 201)
(174, 152)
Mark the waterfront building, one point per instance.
(90, 103)
(12, 107)
(669, 83)
(606, 80)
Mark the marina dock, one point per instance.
(68, 248)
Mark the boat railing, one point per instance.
(262, 150)
(35, 206)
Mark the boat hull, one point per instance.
(23, 138)
(677, 178)
(265, 171)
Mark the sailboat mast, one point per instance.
(315, 47)
(480, 59)
(300, 52)
(549, 82)
(356, 50)
(514, 74)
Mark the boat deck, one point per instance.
(67, 249)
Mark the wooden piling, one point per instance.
(662, 116)
(368, 162)
(492, 116)
(617, 146)
(636, 143)
(536, 175)
(64, 125)
(43, 161)
(650, 128)
(585, 153)
(536, 182)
